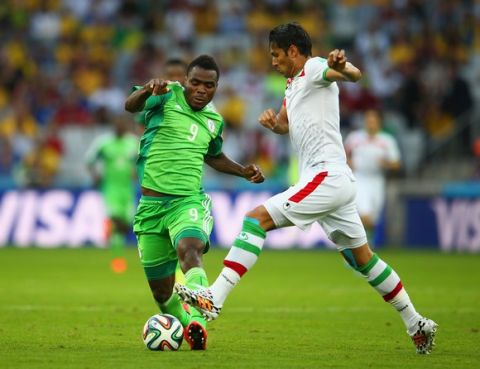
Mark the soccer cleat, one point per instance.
(201, 299)
(196, 336)
(423, 335)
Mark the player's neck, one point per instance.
(298, 67)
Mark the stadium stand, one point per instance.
(60, 57)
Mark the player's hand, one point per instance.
(337, 60)
(268, 119)
(156, 86)
(253, 173)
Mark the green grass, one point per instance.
(295, 309)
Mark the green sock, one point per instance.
(117, 244)
(179, 276)
(195, 278)
(173, 306)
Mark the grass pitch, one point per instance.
(296, 309)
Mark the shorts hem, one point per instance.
(192, 233)
(160, 271)
(360, 242)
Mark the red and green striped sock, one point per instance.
(242, 256)
(388, 284)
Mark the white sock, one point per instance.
(405, 308)
(224, 284)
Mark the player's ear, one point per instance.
(292, 51)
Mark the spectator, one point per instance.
(72, 111)
(411, 54)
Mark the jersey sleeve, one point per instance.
(215, 146)
(316, 71)
(153, 102)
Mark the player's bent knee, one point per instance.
(357, 257)
(261, 216)
(190, 249)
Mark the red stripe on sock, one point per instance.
(239, 268)
(309, 188)
(394, 293)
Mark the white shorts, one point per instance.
(370, 197)
(326, 198)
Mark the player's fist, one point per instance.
(337, 60)
(156, 86)
(268, 119)
(253, 173)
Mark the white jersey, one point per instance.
(368, 152)
(325, 192)
(312, 104)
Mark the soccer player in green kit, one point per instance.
(174, 69)
(111, 163)
(173, 220)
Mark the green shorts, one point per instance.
(120, 206)
(161, 222)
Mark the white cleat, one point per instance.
(423, 335)
(201, 299)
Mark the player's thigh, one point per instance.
(157, 255)
(363, 199)
(344, 227)
(378, 202)
(310, 200)
(151, 214)
(191, 217)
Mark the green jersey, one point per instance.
(116, 156)
(175, 142)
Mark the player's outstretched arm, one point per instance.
(224, 164)
(95, 175)
(278, 123)
(340, 68)
(136, 101)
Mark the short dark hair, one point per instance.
(205, 62)
(175, 61)
(285, 35)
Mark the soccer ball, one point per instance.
(163, 332)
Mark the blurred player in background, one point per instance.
(326, 190)
(175, 69)
(371, 153)
(111, 163)
(173, 221)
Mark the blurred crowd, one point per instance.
(66, 67)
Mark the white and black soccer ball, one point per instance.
(163, 332)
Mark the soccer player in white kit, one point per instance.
(370, 153)
(325, 192)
